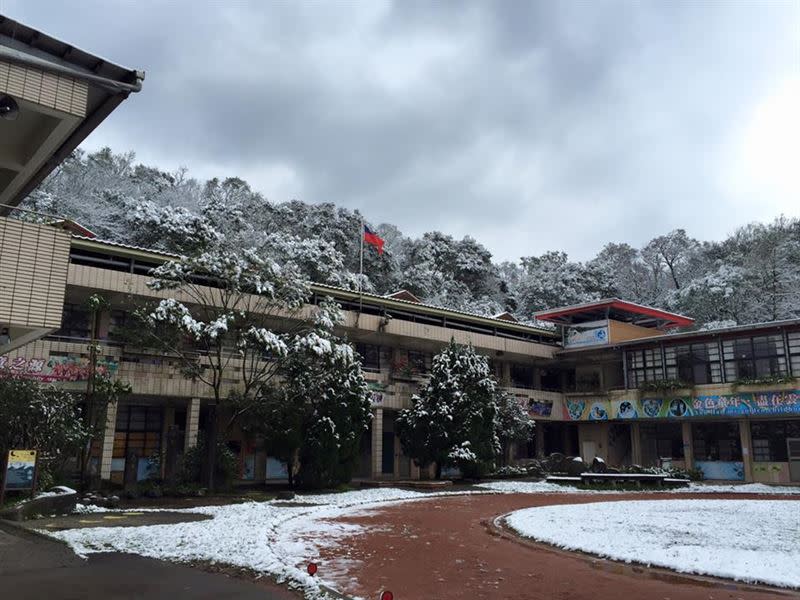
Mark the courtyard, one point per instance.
(496, 540)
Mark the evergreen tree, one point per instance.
(316, 417)
(513, 425)
(452, 420)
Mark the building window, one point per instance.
(794, 352)
(717, 441)
(661, 440)
(74, 322)
(551, 380)
(419, 362)
(521, 376)
(750, 358)
(116, 324)
(769, 439)
(370, 356)
(644, 365)
(694, 363)
(138, 430)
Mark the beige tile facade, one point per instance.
(33, 263)
(108, 442)
(192, 423)
(58, 92)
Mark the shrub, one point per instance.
(190, 468)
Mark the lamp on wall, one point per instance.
(9, 109)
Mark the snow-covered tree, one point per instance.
(620, 273)
(123, 201)
(452, 419)
(513, 424)
(721, 295)
(325, 373)
(552, 280)
(218, 319)
(315, 417)
(674, 251)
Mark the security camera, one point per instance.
(9, 109)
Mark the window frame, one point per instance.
(746, 357)
(703, 357)
(364, 351)
(644, 365)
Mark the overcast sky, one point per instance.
(529, 125)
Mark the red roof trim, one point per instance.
(672, 319)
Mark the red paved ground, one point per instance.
(442, 549)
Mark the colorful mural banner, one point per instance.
(540, 408)
(723, 405)
(56, 368)
(721, 470)
(576, 409)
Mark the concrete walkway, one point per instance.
(35, 567)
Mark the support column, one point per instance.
(538, 440)
(747, 448)
(505, 379)
(192, 423)
(377, 443)
(107, 450)
(636, 444)
(688, 444)
(537, 378)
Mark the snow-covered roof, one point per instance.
(435, 308)
(99, 242)
(615, 308)
(74, 227)
(403, 295)
(506, 316)
(91, 243)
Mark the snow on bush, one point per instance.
(747, 540)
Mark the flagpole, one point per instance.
(360, 270)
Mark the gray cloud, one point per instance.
(529, 125)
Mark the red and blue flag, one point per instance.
(373, 239)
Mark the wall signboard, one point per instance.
(19, 473)
(723, 405)
(593, 333)
(55, 368)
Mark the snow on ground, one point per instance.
(279, 538)
(274, 538)
(543, 487)
(746, 540)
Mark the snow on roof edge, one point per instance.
(329, 286)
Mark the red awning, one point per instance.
(617, 309)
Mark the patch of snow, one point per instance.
(745, 540)
(268, 537)
(89, 508)
(543, 487)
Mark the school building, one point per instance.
(614, 379)
(610, 379)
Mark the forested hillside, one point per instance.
(754, 275)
